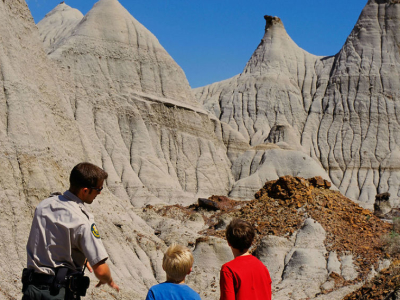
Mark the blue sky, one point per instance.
(212, 40)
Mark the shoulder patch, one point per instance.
(95, 231)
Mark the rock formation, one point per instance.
(38, 136)
(109, 93)
(313, 240)
(357, 114)
(269, 103)
(383, 286)
(134, 104)
(275, 88)
(259, 165)
(150, 135)
(58, 24)
(343, 109)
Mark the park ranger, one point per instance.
(64, 240)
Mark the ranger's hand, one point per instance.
(112, 284)
(102, 272)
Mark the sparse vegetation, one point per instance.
(391, 240)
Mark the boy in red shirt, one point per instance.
(245, 277)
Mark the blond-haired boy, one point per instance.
(177, 263)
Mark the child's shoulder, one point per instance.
(174, 290)
(187, 289)
(243, 261)
(192, 294)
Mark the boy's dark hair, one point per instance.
(240, 234)
(86, 175)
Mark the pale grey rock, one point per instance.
(356, 118)
(121, 102)
(209, 255)
(382, 205)
(340, 293)
(49, 122)
(128, 56)
(178, 227)
(58, 24)
(268, 103)
(275, 88)
(35, 153)
(298, 266)
(223, 222)
(327, 286)
(372, 274)
(134, 103)
(305, 265)
(384, 264)
(343, 108)
(334, 264)
(252, 169)
(136, 263)
(311, 235)
(272, 252)
(285, 134)
(233, 140)
(348, 269)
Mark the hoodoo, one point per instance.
(275, 90)
(343, 108)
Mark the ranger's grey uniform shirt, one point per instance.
(63, 234)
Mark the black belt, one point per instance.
(75, 282)
(30, 277)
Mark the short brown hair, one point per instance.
(177, 262)
(86, 175)
(240, 234)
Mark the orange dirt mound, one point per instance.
(282, 205)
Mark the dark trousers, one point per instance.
(41, 292)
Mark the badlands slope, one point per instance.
(117, 100)
(342, 110)
(154, 140)
(101, 88)
(134, 103)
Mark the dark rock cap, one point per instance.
(272, 21)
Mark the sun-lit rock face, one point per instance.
(155, 141)
(58, 24)
(110, 94)
(127, 57)
(275, 89)
(261, 164)
(268, 104)
(343, 109)
(40, 142)
(135, 105)
(354, 129)
(39, 139)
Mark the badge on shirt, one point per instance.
(95, 231)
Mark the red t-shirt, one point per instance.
(245, 278)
